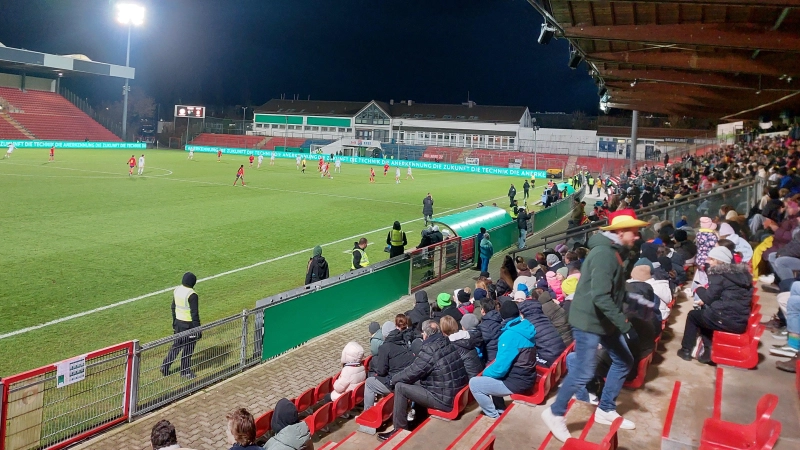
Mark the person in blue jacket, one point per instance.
(514, 368)
(486, 252)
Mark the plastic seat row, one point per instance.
(546, 380)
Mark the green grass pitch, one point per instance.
(80, 233)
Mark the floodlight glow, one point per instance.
(130, 14)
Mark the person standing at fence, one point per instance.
(512, 192)
(360, 258)
(486, 251)
(427, 208)
(396, 240)
(185, 317)
(525, 191)
(317, 269)
(523, 217)
(596, 317)
(476, 248)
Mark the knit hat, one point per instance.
(509, 310)
(520, 295)
(732, 215)
(564, 272)
(680, 235)
(469, 322)
(463, 297)
(706, 223)
(374, 327)
(387, 328)
(444, 300)
(532, 263)
(479, 294)
(544, 297)
(561, 248)
(721, 254)
(317, 251)
(552, 260)
(725, 230)
(644, 262)
(640, 273)
(542, 283)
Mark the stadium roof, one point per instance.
(31, 62)
(728, 59)
(419, 111)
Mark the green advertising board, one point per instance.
(75, 144)
(428, 165)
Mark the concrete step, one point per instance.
(437, 433)
(474, 432)
(520, 427)
(695, 404)
(360, 441)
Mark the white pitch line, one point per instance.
(229, 272)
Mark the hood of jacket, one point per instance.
(353, 352)
(521, 328)
(737, 274)
(291, 436)
(459, 335)
(421, 297)
(320, 261)
(600, 240)
(396, 337)
(189, 279)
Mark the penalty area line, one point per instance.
(212, 277)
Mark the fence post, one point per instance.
(243, 352)
(458, 253)
(133, 398)
(3, 411)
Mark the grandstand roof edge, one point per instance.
(44, 63)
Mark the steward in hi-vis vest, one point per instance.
(396, 240)
(185, 317)
(360, 258)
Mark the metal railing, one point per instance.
(83, 104)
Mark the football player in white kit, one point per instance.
(260, 160)
(272, 159)
(408, 173)
(397, 175)
(141, 164)
(338, 165)
(191, 154)
(10, 150)
(297, 161)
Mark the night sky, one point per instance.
(226, 52)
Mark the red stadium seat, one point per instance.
(609, 441)
(461, 400)
(324, 388)
(641, 372)
(305, 400)
(357, 395)
(760, 434)
(263, 424)
(744, 356)
(372, 419)
(342, 405)
(320, 418)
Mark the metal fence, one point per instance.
(60, 404)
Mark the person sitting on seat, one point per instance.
(241, 430)
(393, 356)
(431, 381)
(465, 344)
(352, 373)
(291, 433)
(490, 327)
(549, 345)
(725, 304)
(163, 437)
(514, 369)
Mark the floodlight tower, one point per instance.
(129, 14)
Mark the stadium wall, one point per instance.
(37, 84)
(487, 170)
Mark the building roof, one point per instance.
(726, 59)
(38, 63)
(419, 111)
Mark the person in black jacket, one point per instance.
(185, 316)
(549, 345)
(512, 192)
(446, 307)
(421, 311)
(464, 343)
(393, 356)
(490, 327)
(522, 223)
(317, 269)
(396, 240)
(431, 381)
(725, 304)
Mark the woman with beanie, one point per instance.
(725, 304)
(291, 433)
(446, 307)
(317, 269)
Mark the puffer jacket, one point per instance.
(515, 365)
(393, 357)
(451, 311)
(467, 350)
(728, 296)
(555, 285)
(291, 437)
(438, 368)
(549, 345)
(421, 311)
(491, 327)
(663, 294)
(557, 316)
(353, 371)
(705, 241)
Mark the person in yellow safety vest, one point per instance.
(396, 240)
(360, 258)
(185, 317)
(514, 210)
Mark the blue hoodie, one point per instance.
(515, 363)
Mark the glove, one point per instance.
(631, 335)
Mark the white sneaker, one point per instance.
(593, 400)
(783, 350)
(606, 417)
(556, 424)
(767, 279)
(411, 414)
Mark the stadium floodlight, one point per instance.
(575, 59)
(129, 14)
(546, 34)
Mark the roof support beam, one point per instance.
(702, 79)
(770, 65)
(759, 3)
(744, 36)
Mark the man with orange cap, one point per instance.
(596, 317)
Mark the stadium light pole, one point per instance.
(244, 117)
(128, 14)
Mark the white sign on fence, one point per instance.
(70, 371)
(472, 161)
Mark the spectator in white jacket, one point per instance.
(352, 372)
(742, 246)
(660, 288)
